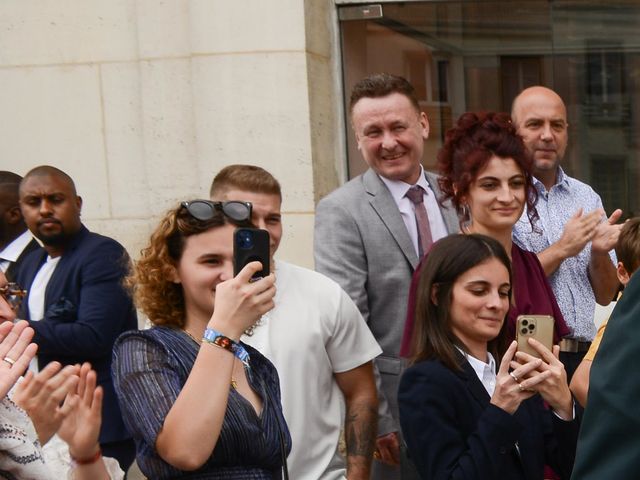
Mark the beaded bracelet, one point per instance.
(216, 338)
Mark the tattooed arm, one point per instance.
(361, 421)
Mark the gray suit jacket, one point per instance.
(362, 243)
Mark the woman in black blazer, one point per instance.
(464, 414)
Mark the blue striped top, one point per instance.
(150, 367)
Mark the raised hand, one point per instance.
(606, 233)
(549, 378)
(41, 395)
(513, 388)
(240, 302)
(579, 230)
(81, 426)
(16, 352)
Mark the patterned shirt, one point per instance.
(570, 282)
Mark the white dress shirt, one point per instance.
(398, 190)
(12, 252)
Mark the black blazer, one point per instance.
(12, 271)
(453, 432)
(86, 309)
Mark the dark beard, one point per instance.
(54, 240)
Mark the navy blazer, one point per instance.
(453, 432)
(86, 309)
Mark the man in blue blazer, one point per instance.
(76, 302)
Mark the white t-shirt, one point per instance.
(36, 296)
(314, 331)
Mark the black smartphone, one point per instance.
(250, 245)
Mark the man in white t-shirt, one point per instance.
(320, 345)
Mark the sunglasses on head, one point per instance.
(13, 294)
(204, 210)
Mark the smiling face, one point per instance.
(541, 119)
(496, 198)
(479, 303)
(207, 260)
(390, 135)
(51, 209)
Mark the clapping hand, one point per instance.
(16, 352)
(41, 395)
(81, 426)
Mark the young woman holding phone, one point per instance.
(471, 407)
(199, 403)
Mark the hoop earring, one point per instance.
(465, 213)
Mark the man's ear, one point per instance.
(79, 203)
(623, 275)
(13, 215)
(434, 294)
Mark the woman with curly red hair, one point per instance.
(200, 403)
(485, 173)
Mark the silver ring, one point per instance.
(513, 376)
(10, 361)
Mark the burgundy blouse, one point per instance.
(532, 294)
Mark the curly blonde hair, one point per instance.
(150, 281)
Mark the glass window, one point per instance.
(465, 56)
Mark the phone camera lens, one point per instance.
(532, 327)
(524, 331)
(245, 239)
(525, 323)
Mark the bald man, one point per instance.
(575, 240)
(76, 302)
(15, 239)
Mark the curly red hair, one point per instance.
(468, 147)
(150, 280)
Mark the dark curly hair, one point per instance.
(468, 147)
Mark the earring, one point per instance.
(465, 213)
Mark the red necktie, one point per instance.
(415, 194)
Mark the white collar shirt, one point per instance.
(398, 190)
(12, 252)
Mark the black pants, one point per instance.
(124, 452)
(571, 360)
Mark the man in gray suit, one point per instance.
(369, 237)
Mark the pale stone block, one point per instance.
(163, 28)
(254, 109)
(128, 181)
(52, 115)
(319, 18)
(297, 239)
(67, 31)
(133, 234)
(265, 25)
(168, 132)
(328, 147)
